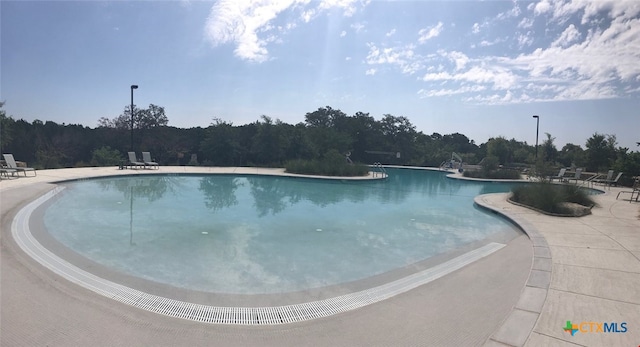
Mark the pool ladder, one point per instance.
(379, 169)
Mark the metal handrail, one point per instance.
(380, 168)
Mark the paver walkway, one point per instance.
(590, 273)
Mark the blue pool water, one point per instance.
(262, 234)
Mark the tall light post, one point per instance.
(133, 86)
(537, 130)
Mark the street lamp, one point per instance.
(537, 129)
(133, 86)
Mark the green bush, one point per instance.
(550, 197)
(332, 164)
(494, 175)
(105, 156)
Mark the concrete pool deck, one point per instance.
(588, 271)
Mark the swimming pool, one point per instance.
(262, 234)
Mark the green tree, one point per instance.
(220, 146)
(549, 150)
(148, 118)
(499, 147)
(572, 155)
(6, 124)
(601, 152)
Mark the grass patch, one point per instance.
(499, 174)
(552, 198)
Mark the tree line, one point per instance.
(269, 142)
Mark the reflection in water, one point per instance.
(272, 195)
(151, 188)
(219, 191)
(261, 234)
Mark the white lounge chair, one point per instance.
(610, 182)
(11, 164)
(577, 176)
(560, 175)
(599, 179)
(133, 161)
(635, 190)
(146, 158)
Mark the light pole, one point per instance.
(537, 129)
(133, 86)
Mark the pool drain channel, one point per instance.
(228, 315)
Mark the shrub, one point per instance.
(495, 174)
(550, 197)
(105, 156)
(332, 164)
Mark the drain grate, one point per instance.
(228, 315)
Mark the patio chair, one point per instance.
(559, 176)
(613, 182)
(146, 158)
(599, 179)
(5, 172)
(635, 190)
(577, 176)
(133, 161)
(11, 164)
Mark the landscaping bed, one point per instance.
(553, 199)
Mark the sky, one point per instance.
(480, 68)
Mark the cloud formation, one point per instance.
(570, 50)
(248, 24)
(429, 33)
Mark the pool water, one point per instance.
(264, 234)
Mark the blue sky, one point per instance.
(481, 68)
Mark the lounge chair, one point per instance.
(577, 176)
(558, 177)
(635, 190)
(11, 164)
(599, 179)
(610, 182)
(146, 158)
(5, 172)
(133, 161)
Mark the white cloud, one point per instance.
(485, 43)
(476, 28)
(429, 33)
(600, 64)
(248, 24)
(424, 93)
(497, 76)
(358, 27)
(350, 7)
(402, 57)
(343, 33)
(460, 59)
(513, 12)
(370, 72)
(390, 33)
(525, 39)
(542, 7)
(594, 60)
(568, 36)
(525, 23)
